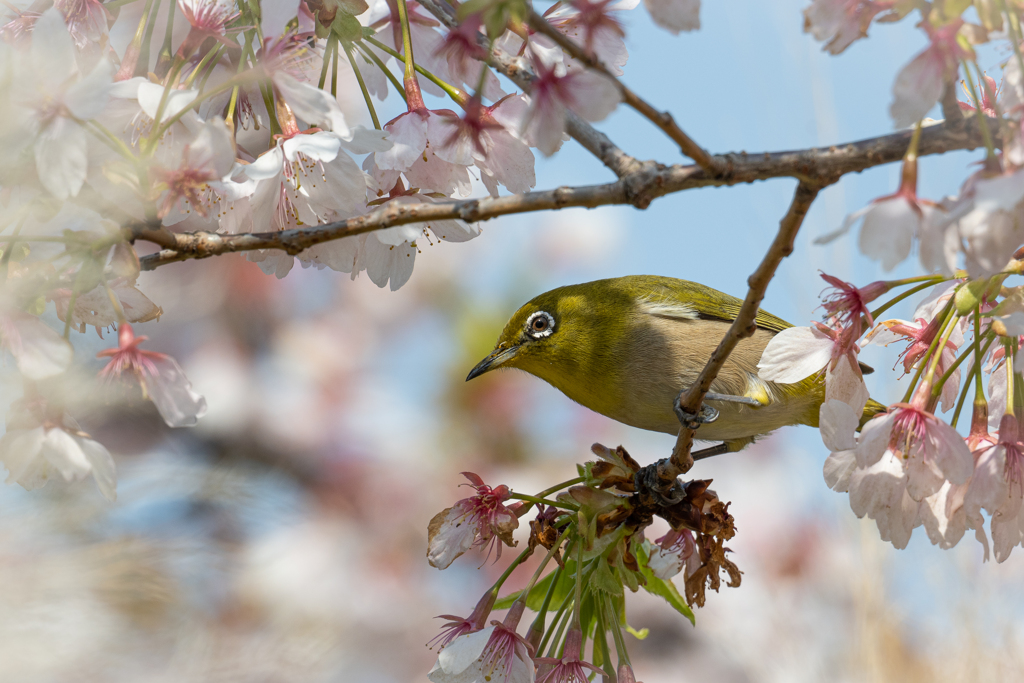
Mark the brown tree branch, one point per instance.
(743, 326)
(662, 120)
(646, 182)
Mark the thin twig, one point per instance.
(742, 327)
(638, 188)
(516, 70)
(662, 120)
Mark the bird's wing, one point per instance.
(683, 300)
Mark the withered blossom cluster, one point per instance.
(231, 137)
(593, 529)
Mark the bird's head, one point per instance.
(558, 335)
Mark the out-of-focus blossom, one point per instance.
(997, 486)
(496, 654)
(160, 376)
(86, 21)
(992, 229)
(51, 98)
(838, 23)
(427, 46)
(587, 93)
(569, 668)
(499, 154)
(465, 56)
(890, 223)
(207, 159)
(675, 15)
(671, 552)
(41, 442)
(207, 19)
(595, 26)
(482, 520)
(37, 349)
(94, 307)
(919, 84)
(989, 95)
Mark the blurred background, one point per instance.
(284, 538)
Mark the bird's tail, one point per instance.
(872, 408)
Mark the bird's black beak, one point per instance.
(495, 359)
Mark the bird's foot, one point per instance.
(694, 420)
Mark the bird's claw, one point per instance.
(691, 420)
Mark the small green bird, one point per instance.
(625, 348)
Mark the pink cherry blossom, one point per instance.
(465, 56)
(422, 151)
(997, 486)
(991, 227)
(161, 378)
(554, 94)
(849, 304)
(838, 23)
(481, 520)
(568, 668)
(919, 84)
(928, 450)
(94, 307)
(459, 626)
(921, 334)
(989, 94)
(427, 47)
(673, 551)
(496, 654)
(594, 25)
(500, 156)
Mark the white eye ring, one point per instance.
(540, 334)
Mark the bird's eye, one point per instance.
(540, 324)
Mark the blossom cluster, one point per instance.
(594, 531)
(237, 125)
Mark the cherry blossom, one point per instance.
(991, 230)
(86, 21)
(459, 626)
(796, 353)
(587, 93)
(928, 450)
(989, 95)
(568, 668)
(422, 151)
(160, 376)
(37, 349)
(597, 27)
(42, 441)
(674, 550)
(501, 156)
(497, 654)
(919, 84)
(849, 304)
(675, 15)
(52, 96)
(304, 179)
(207, 19)
(838, 23)
(94, 307)
(427, 46)
(464, 56)
(997, 487)
(208, 159)
(890, 223)
(921, 334)
(481, 520)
